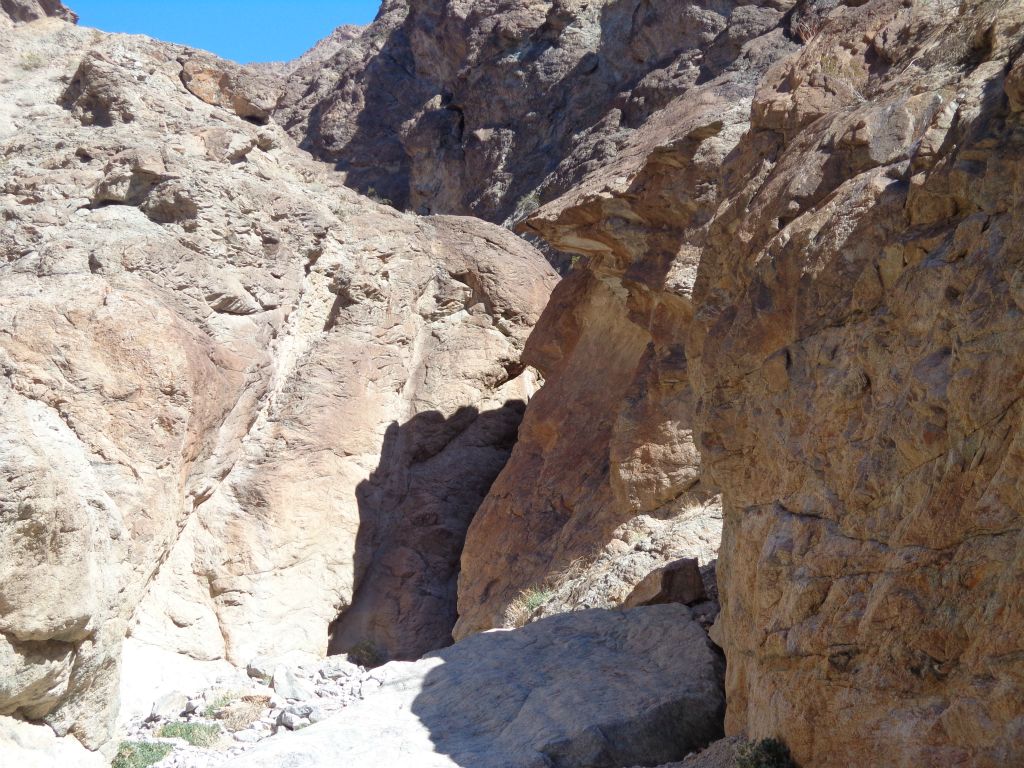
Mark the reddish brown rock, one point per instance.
(837, 261)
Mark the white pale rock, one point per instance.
(594, 688)
(36, 746)
(290, 685)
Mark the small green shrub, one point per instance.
(215, 706)
(140, 754)
(521, 610)
(767, 753)
(366, 654)
(535, 598)
(196, 734)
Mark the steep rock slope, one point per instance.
(208, 347)
(836, 264)
(490, 106)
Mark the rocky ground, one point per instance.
(206, 727)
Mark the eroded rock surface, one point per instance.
(611, 437)
(824, 255)
(206, 343)
(31, 10)
(489, 107)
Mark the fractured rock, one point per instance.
(678, 582)
(198, 319)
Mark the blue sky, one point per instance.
(242, 30)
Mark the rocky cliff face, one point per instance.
(245, 410)
(819, 263)
(231, 387)
(29, 10)
(490, 107)
(611, 436)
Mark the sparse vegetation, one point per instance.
(217, 704)
(366, 654)
(767, 753)
(372, 194)
(140, 754)
(243, 712)
(196, 734)
(31, 61)
(521, 609)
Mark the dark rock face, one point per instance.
(30, 10)
(490, 107)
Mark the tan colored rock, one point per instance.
(31, 10)
(611, 436)
(205, 343)
(249, 94)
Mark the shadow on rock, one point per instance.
(595, 688)
(414, 510)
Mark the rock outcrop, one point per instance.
(814, 260)
(225, 378)
(35, 746)
(31, 10)
(610, 438)
(489, 107)
(596, 688)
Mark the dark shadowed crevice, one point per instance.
(414, 511)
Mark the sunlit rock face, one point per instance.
(207, 343)
(19, 11)
(606, 483)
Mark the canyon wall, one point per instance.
(216, 359)
(245, 410)
(489, 107)
(814, 267)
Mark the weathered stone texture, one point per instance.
(489, 107)
(205, 341)
(595, 689)
(835, 255)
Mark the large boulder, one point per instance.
(35, 746)
(595, 689)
